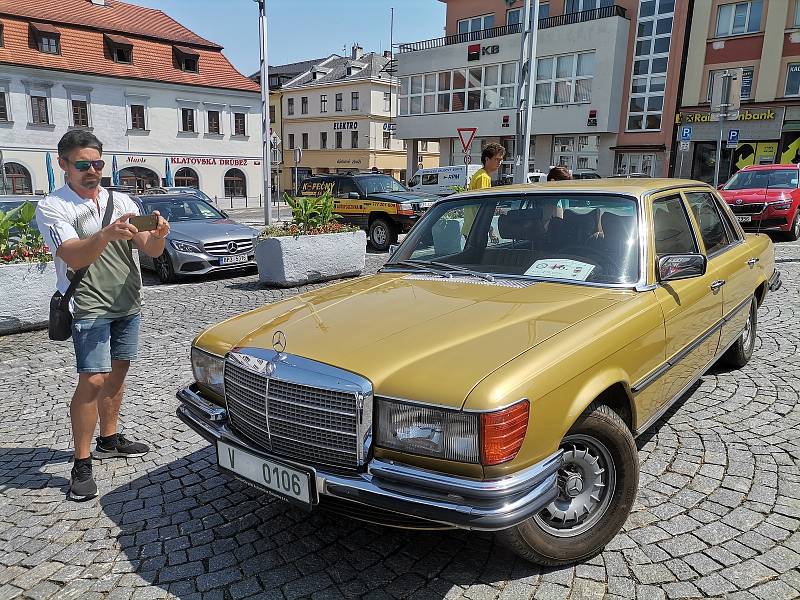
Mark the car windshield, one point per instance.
(782, 179)
(182, 209)
(572, 236)
(373, 184)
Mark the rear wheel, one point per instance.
(794, 233)
(597, 485)
(382, 234)
(739, 354)
(164, 268)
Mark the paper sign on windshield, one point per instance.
(562, 268)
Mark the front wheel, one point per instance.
(381, 234)
(166, 272)
(597, 485)
(794, 233)
(739, 354)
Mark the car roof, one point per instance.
(768, 167)
(170, 196)
(634, 186)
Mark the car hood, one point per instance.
(404, 196)
(751, 195)
(398, 329)
(208, 230)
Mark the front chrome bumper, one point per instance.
(775, 281)
(191, 263)
(402, 489)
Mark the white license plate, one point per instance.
(744, 218)
(276, 477)
(234, 259)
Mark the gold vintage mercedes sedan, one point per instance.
(494, 374)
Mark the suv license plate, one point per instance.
(283, 481)
(744, 218)
(233, 259)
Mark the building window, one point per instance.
(476, 23)
(797, 13)
(18, 179)
(514, 16)
(235, 184)
(39, 113)
(3, 107)
(239, 124)
(651, 55)
(564, 79)
(739, 18)
(338, 103)
(305, 141)
(137, 117)
(323, 140)
(290, 106)
(387, 140)
(80, 113)
(387, 102)
(48, 44)
(576, 152)
(627, 163)
(574, 6)
(793, 80)
(354, 101)
(120, 49)
(422, 146)
(304, 105)
(291, 141)
(122, 55)
(186, 177)
(186, 59)
(338, 139)
(187, 120)
(213, 121)
(475, 88)
(323, 103)
(272, 113)
(747, 82)
(354, 139)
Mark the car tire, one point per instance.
(381, 234)
(739, 354)
(794, 233)
(164, 269)
(598, 447)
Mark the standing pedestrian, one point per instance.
(559, 173)
(491, 158)
(106, 303)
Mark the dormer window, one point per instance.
(354, 67)
(120, 48)
(186, 59)
(46, 37)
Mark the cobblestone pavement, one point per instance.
(717, 513)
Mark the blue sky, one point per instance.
(304, 29)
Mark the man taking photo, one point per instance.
(107, 302)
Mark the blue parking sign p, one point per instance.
(686, 133)
(733, 136)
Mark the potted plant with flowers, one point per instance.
(27, 273)
(312, 247)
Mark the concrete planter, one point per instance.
(291, 261)
(25, 291)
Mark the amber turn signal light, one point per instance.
(503, 432)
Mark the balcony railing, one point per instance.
(485, 34)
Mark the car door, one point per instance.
(729, 257)
(692, 310)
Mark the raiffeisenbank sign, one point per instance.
(758, 114)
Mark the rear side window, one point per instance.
(712, 229)
(346, 185)
(430, 179)
(673, 232)
(727, 217)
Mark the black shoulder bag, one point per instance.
(60, 325)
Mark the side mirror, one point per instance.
(354, 195)
(672, 267)
(392, 249)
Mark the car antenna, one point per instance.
(766, 195)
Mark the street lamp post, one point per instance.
(266, 158)
(526, 89)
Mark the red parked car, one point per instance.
(766, 198)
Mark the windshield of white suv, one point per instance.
(375, 184)
(570, 236)
(183, 209)
(782, 179)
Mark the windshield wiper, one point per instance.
(458, 268)
(419, 267)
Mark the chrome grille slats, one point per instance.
(748, 209)
(221, 248)
(312, 423)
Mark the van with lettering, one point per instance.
(441, 180)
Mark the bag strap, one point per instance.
(76, 278)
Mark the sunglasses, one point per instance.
(83, 165)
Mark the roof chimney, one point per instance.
(387, 54)
(356, 52)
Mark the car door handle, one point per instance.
(752, 262)
(715, 285)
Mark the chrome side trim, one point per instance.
(669, 364)
(211, 411)
(775, 281)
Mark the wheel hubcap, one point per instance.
(748, 330)
(586, 483)
(379, 235)
(163, 267)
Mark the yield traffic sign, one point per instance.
(466, 135)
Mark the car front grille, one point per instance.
(222, 249)
(312, 424)
(748, 209)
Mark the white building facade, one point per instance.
(178, 124)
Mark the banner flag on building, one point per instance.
(168, 173)
(114, 171)
(51, 176)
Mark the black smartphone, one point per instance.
(145, 222)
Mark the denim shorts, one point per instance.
(99, 341)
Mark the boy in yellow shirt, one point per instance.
(491, 157)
